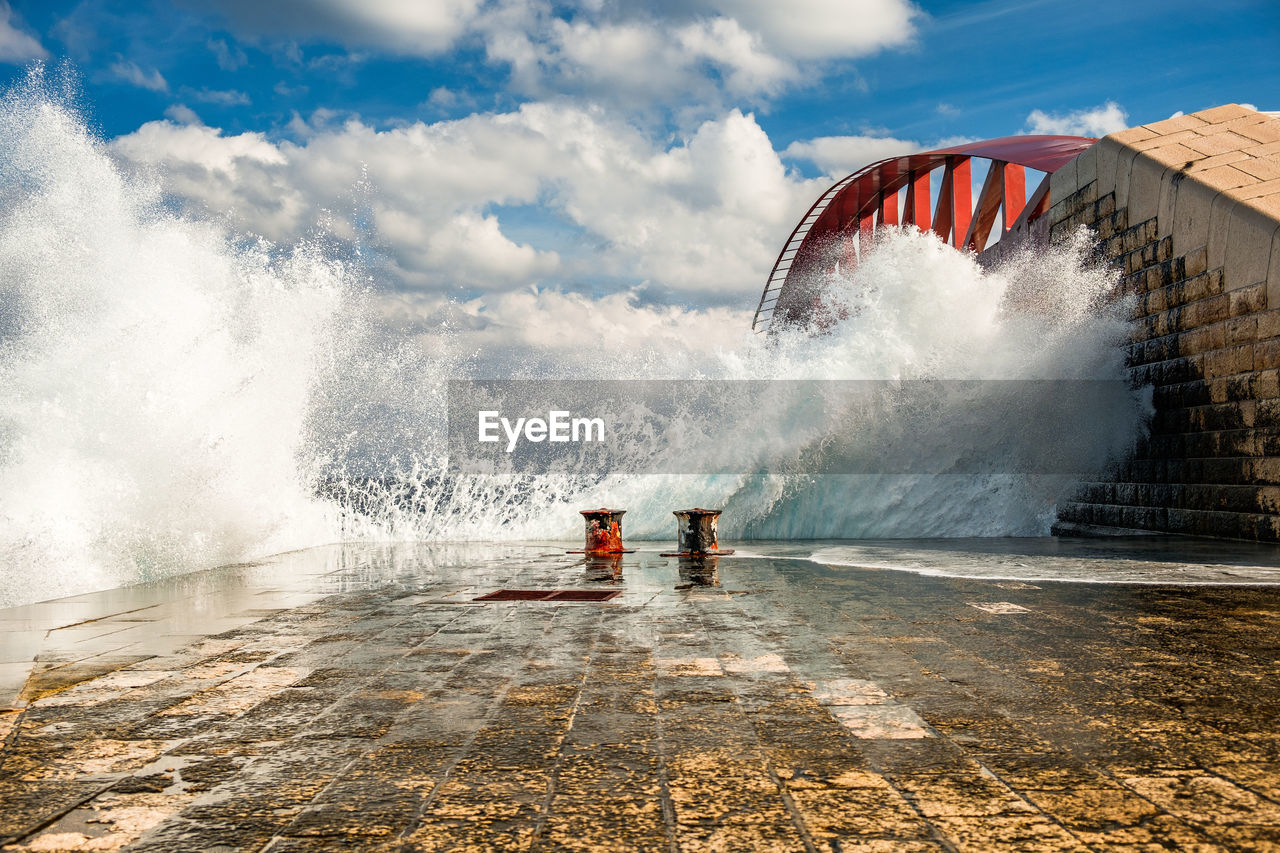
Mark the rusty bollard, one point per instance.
(604, 532)
(696, 534)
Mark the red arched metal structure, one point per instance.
(840, 224)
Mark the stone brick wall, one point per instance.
(1189, 211)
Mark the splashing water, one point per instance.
(154, 381)
(172, 398)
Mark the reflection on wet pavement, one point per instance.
(357, 697)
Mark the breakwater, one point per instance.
(1189, 210)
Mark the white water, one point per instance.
(1113, 560)
(154, 380)
(174, 398)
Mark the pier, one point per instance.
(906, 695)
(360, 698)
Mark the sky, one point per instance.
(501, 160)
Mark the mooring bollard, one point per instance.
(604, 532)
(696, 533)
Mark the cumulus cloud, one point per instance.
(129, 71)
(15, 45)
(601, 59)
(700, 216)
(204, 148)
(469, 244)
(403, 27)
(823, 29)
(838, 156)
(604, 48)
(747, 67)
(747, 48)
(1094, 121)
(182, 114)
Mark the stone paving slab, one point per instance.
(357, 698)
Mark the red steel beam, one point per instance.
(917, 211)
(888, 208)
(943, 213)
(1042, 153)
(1036, 206)
(855, 202)
(986, 210)
(961, 199)
(1015, 192)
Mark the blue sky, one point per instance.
(633, 154)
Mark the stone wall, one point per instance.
(1189, 210)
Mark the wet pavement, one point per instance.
(358, 698)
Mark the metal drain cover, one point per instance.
(550, 595)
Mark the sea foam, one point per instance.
(176, 396)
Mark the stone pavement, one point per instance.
(357, 698)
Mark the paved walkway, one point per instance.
(359, 699)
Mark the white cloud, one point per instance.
(471, 245)
(635, 54)
(182, 114)
(221, 97)
(804, 29)
(442, 97)
(1095, 121)
(543, 330)
(203, 147)
(407, 27)
(284, 90)
(705, 215)
(229, 58)
(601, 60)
(838, 156)
(824, 29)
(131, 73)
(15, 45)
(747, 48)
(749, 69)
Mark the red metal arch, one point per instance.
(840, 224)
